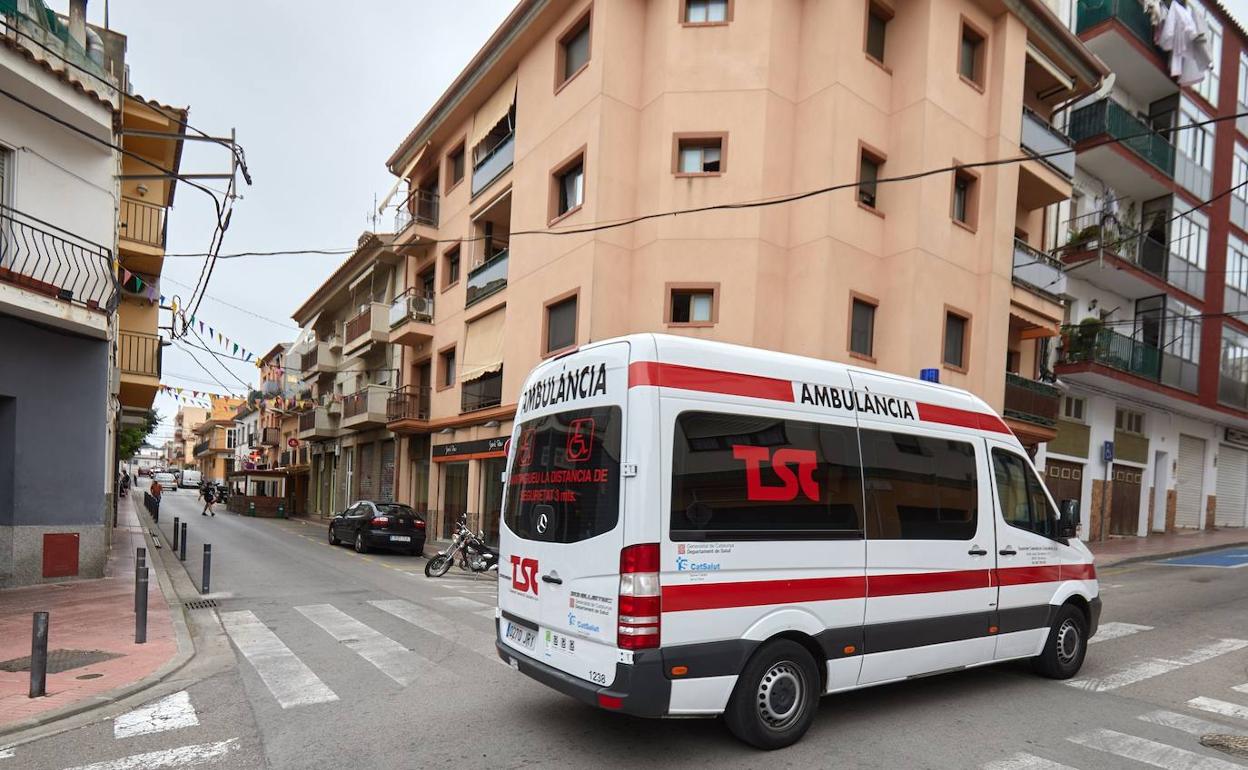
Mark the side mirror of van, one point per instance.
(1068, 522)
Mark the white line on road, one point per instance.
(1152, 667)
(288, 678)
(1150, 752)
(169, 713)
(1215, 706)
(6, 753)
(436, 624)
(1109, 631)
(460, 602)
(1240, 688)
(391, 658)
(1187, 723)
(182, 756)
(1024, 761)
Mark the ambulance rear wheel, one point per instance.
(776, 696)
(1066, 646)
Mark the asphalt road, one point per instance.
(367, 663)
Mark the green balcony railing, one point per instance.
(1107, 117)
(1094, 344)
(1031, 401)
(1129, 12)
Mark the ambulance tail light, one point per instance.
(640, 602)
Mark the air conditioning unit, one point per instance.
(420, 308)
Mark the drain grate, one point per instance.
(61, 660)
(1235, 745)
(201, 604)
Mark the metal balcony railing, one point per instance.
(1129, 12)
(410, 402)
(202, 447)
(138, 353)
(412, 305)
(307, 420)
(1092, 232)
(1095, 344)
(492, 165)
(143, 222)
(270, 437)
(1040, 137)
(43, 258)
(355, 403)
(1038, 269)
(1031, 401)
(1107, 117)
(489, 277)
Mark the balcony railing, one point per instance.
(421, 206)
(1129, 12)
(138, 353)
(1095, 344)
(411, 305)
(492, 165)
(490, 277)
(410, 402)
(1042, 138)
(143, 222)
(1031, 401)
(41, 257)
(45, 36)
(202, 447)
(270, 437)
(1107, 117)
(355, 404)
(359, 325)
(1089, 233)
(1037, 269)
(307, 420)
(482, 393)
(1232, 391)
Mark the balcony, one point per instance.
(1120, 248)
(482, 393)
(488, 278)
(493, 164)
(270, 437)
(201, 448)
(1041, 138)
(1038, 270)
(142, 222)
(421, 207)
(138, 362)
(1092, 344)
(317, 423)
(1120, 33)
(366, 408)
(317, 360)
(1107, 118)
(42, 258)
(407, 409)
(411, 318)
(1032, 402)
(371, 325)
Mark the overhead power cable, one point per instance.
(246, 385)
(226, 388)
(251, 313)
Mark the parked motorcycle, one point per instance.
(468, 548)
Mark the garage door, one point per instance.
(1189, 489)
(1124, 497)
(1232, 487)
(1065, 481)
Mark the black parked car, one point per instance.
(369, 524)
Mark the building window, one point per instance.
(6, 171)
(878, 17)
(965, 198)
(862, 327)
(699, 155)
(1208, 87)
(573, 50)
(956, 327)
(1129, 421)
(693, 12)
(446, 361)
(692, 305)
(560, 324)
(567, 188)
(450, 267)
(1073, 408)
(971, 55)
(870, 164)
(455, 167)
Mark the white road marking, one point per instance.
(1215, 706)
(288, 678)
(436, 624)
(182, 756)
(1024, 761)
(1152, 667)
(1109, 631)
(6, 753)
(391, 658)
(1188, 723)
(460, 602)
(1150, 752)
(1240, 688)
(169, 713)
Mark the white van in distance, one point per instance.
(190, 479)
(692, 529)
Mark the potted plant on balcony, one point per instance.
(1080, 341)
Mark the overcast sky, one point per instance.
(320, 93)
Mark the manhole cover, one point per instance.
(201, 604)
(1235, 745)
(61, 660)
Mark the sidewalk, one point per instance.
(85, 616)
(1120, 550)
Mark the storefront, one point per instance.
(468, 482)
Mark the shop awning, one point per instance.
(493, 110)
(483, 347)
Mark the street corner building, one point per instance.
(81, 247)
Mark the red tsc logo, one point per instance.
(524, 574)
(790, 482)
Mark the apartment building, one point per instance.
(348, 367)
(185, 422)
(215, 439)
(1153, 434)
(575, 114)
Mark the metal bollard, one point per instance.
(207, 568)
(140, 615)
(175, 533)
(140, 560)
(182, 545)
(39, 656)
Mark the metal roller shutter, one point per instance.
(1232, 505)
(1190, 490)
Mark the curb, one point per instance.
(186, 651)
(1172, 554)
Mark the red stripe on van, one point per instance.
(964, 418)
(642, 373)
(928, 582)
(1017, 576)
(1078, 572)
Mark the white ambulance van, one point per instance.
(693, 529)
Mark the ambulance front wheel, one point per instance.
(776, 696)
(1066, 646)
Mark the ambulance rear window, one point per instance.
(564, 483)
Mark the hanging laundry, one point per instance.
(1188, 48)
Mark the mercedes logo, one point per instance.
(542, 523)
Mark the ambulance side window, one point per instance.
(737, 477)
(919, 487)
(1023, 502)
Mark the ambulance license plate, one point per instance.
(522, 635)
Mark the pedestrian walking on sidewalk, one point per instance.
(209, 499)
(156, 490)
